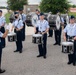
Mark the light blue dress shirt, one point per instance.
(70, 29)
(2, 20)
(18, 23)
(42, 25)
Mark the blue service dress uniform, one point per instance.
(70, 30)
(42, 26)
(1, 36)
(18, 24)
(23, 18)
(2, 29)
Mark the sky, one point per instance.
(3, 2)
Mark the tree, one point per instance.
(54, 6)
(74, 6)
(16, 4)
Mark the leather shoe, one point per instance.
(20, 51)
(2, 71)
(59, 44)
(55, 44)
(39, 55)
(49, 36)
(16, 51)
(74, 64)
(3, 46)
(44, 57)
(69, 63)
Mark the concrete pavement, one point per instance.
(28, 64)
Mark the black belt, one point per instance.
(70, 38)
(41, 32)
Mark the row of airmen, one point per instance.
(19, 28)
(42, 27)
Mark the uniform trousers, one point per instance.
(19, 40)
(50, 32)
(58, 35)
(3, 39)
(72, 57)
(42, 47)
(36, 30)
(23, 32)
(0, 53)
(74, 54)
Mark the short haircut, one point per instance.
(1, 11)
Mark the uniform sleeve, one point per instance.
(21, 23)
(1, 34)
(47, 24)
(3, 20)
(24, 18)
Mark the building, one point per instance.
(30, 8)
(72, 9)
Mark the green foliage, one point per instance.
(2, 7)
(16, 4)
(7, 15)
(73, 6)
(54, 6)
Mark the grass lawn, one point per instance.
(72, 13)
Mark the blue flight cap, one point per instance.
(21, 9)
(41, 14)
(72, 17)
(16, 12)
